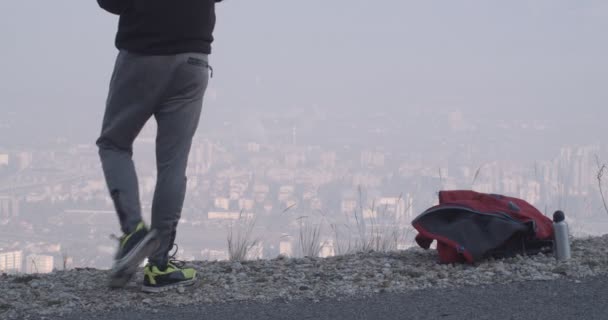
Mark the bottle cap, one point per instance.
(558, 216)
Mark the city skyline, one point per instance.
(52, 201)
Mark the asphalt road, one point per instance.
(553, 300)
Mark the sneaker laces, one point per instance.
(179, 264)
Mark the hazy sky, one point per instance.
(546, 58)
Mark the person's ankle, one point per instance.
(160, 266)
(134, 227)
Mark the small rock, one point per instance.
(561, 269)
(414, 273)
(237, 266)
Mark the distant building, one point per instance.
(327, 250)
(397, 208)
(316, 203)
(9, 207)
(294, 159)
(3, 159)
(39, 264)
(201, 157)
(328, 159)
(260, 192)
(366, 180)
(213, 255)
(290, 203)
(228, 215)
(253, 147)
(286, 248)
(308, 195)
(246, 204)
(268, 206)
(222, 203)
(237, 188)
(11, 262)
(348, 206)
(255, 252)
(24, 160)
(285, 192)
(372, 159)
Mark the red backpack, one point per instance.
(470, 226)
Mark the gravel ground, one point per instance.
(305, 279)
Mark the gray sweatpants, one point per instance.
(170, 89)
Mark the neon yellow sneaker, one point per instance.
(157, 280)
(133, 248)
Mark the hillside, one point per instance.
(363, 274)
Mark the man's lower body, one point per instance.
(170, 89)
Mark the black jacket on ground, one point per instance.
(163, 27)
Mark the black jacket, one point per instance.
(163, 27)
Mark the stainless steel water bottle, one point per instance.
(561, 244)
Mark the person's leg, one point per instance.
(177, 118)
(137, 85)
(128, 108)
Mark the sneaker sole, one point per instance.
(125, 268)
(149, 289)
